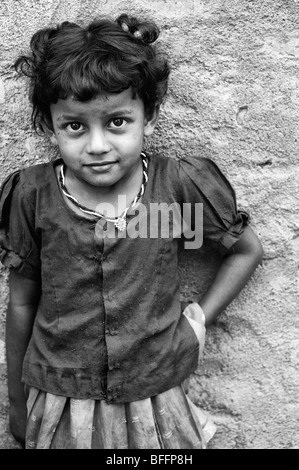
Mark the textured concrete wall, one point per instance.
(234, 94)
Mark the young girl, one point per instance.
(94, 325)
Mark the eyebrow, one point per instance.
(117, 112)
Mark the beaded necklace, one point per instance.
(119, 222)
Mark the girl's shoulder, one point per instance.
(161, 162)
(29, 179)
(38, 174)
(199, 172)
(27, 184)
(189, 165)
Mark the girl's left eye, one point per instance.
(117, 122)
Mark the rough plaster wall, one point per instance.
(234, 95)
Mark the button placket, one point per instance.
(98, 257)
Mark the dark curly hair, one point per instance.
(105, 56)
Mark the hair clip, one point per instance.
(125, 27)
(137, 34)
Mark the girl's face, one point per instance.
(100, 140)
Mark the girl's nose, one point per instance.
(97, 142)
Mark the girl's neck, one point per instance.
(93, 197)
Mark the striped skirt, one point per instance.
(166, 421)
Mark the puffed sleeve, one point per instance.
(203, 182)
(18, 240)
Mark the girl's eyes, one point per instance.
(116, 123)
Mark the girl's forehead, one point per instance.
(103, 103)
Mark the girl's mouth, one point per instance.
(100, 164)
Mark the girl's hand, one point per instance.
(17, 422)
(196, 317)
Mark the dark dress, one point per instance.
(109, 324)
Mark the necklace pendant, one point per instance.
(120, 224)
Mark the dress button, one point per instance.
(98, 257)
(111, 331)
(113, 365)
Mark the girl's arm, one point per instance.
(235, 270)
(23, 300)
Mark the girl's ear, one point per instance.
(52, 138)
(49, 131)
(150, 123)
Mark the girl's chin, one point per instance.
(102, 180)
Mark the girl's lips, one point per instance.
(100, 167)
(99, 164)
